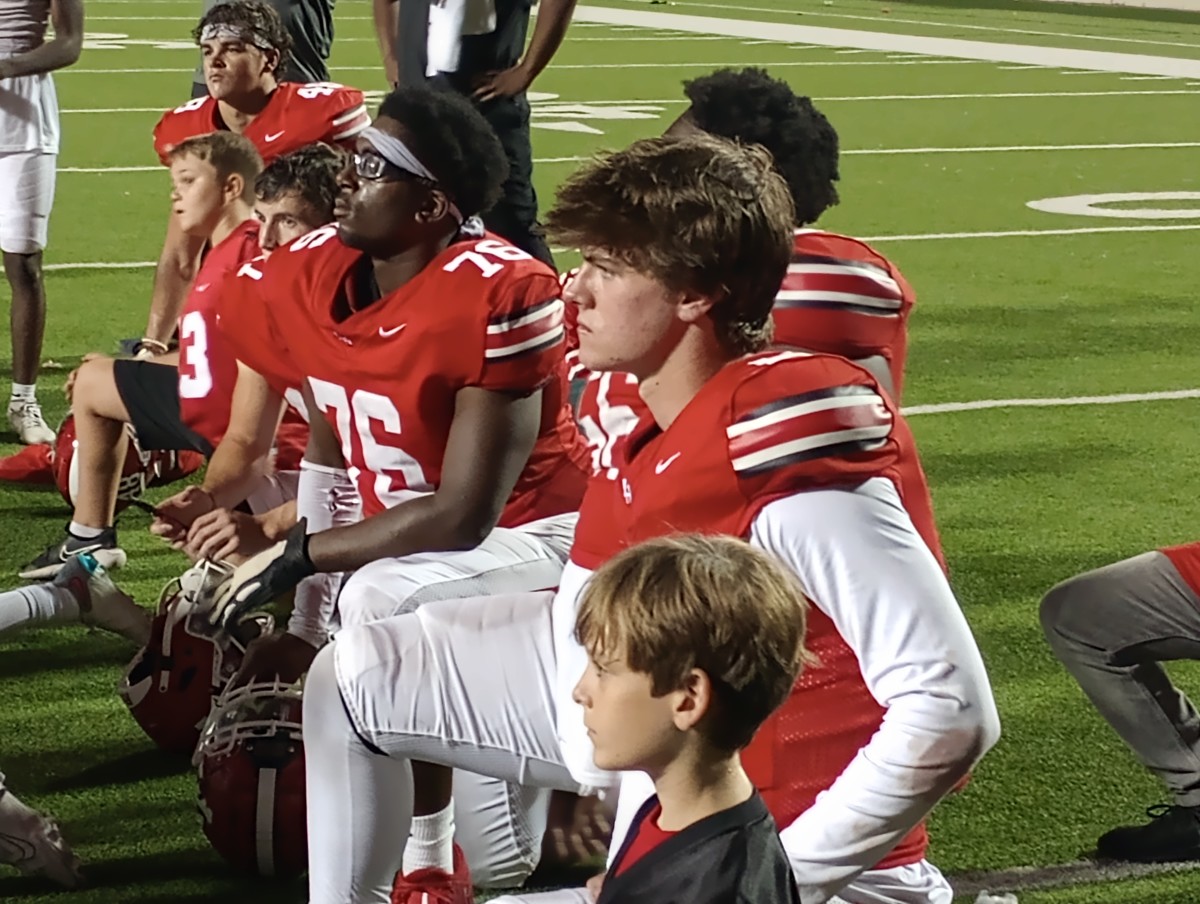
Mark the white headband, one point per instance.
(397, 153)
(221, 31)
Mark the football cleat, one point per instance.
(103, 549)
(250, 769)
(101, 603)
(33, 843)
(27, 422)
(435, 886)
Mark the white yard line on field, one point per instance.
(1101, 61)
(956, 26)
(852, 152)
(984, 404)
(850, 98)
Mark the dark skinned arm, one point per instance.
(61, 51)
(548, 32)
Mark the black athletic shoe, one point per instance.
(1172, 834)
(103, 548)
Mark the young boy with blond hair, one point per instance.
(693, 642)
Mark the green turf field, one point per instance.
(942, 155)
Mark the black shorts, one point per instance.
(151, 396)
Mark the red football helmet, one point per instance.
(171, 683)
(141, 469)
(250, 763)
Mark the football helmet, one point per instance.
(171, 683)
(140, 470)
(250, 768)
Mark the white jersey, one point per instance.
(29, 112)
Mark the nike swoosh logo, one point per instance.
(273, 137)
(203, 288)
(387, 334)
(666, 463)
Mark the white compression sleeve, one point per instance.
(328, 498)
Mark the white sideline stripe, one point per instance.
(698, 65)
(1058, 57)
(1082, 872)
(1024, 233)
(985, 404)
(862, 152)
(954, 25)
(865, 97)
(934, 236)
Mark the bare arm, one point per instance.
(240, 457)
(177, 265)
(490, 441)
(387, 26)
(59, 52)
(548, 32)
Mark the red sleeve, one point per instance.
(344, 110)
(797, 422)
(178, 125)
(842, 297)
(245, 321)
(523, 343)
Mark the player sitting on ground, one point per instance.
(295, 195)
(244, 46)
(466, 458)
(802, 454)
(839, 296)
(178, 401)
(32, 842)
(692, 643)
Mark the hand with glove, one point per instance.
(265, 577)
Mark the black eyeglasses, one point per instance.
(373, 167)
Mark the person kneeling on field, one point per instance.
(692, 643)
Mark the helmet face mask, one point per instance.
(250, 773)
(172, 682)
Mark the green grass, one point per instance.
(1025, 497)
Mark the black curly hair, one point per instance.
(750, 106)
(254, 16)
(309, 172)
(454, 141)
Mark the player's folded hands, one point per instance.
(225, 535)
(175, 515)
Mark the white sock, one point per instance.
(431, 842)
(83, 532)
(23, 392)
(37, 603)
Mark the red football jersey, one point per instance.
(296, 115)
(208, 365)
(481, 314)
(840, 296)
(766, 427)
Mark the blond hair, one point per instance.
(711, 603)
(697, 213)
(229, 154)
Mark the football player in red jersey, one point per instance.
(433, 353)
(802, 454)
(178, 401)
(295, 195)
(244, 46)
(839, 296)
